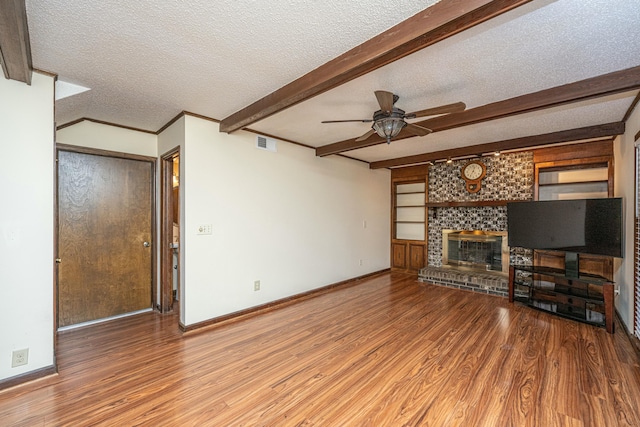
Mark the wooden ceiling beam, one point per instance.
(589, 132)
(15, 48)
(595, 87)
(436, 23)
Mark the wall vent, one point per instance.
(264, 143)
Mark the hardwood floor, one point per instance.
(387, 351)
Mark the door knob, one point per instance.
(146, 244)
(58, 260)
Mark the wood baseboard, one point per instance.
(19, 380)
(635, 342)
(254, 311)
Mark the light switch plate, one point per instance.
(204, 229)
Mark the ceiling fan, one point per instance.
(388, 121)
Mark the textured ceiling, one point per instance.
(147, 61)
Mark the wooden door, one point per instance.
(104, 236)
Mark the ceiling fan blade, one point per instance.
(366, 135)
(417, 130)
(385, 99)
(443, 109)
(346, 121)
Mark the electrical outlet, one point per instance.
(360, 262)
(204, 229)
(256, 285)
(20, 357)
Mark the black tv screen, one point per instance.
(591, 226)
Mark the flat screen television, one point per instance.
(588, 226)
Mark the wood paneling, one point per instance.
(588, 132)
(105, 207)
(385, 352)
(574, 151)
(589, 264)
(436, 23)
(410, 172)
(15, 48)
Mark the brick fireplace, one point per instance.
(509, 177)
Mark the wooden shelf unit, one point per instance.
(585, 169)
(409, 218)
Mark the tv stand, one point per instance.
(571, 264)
(583, 297)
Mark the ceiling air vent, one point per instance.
(264, 143)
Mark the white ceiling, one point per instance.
(146, 61)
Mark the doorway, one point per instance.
(170, 232)
(105, 262)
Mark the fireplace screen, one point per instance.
(474, 249)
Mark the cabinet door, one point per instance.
(408, 256)
(399, 255)
(416, 256)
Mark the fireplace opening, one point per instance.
(476, 250)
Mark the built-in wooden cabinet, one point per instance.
(574, 171)
(584, 182)
(578, 171)
(409, 200)
(409, 218)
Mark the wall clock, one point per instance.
(473, 172)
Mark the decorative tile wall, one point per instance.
(509, 177)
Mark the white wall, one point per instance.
(289, 219)
(26, 223)
(106, 137)
(625, 187)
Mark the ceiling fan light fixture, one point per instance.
(389, 121)
(389, 127)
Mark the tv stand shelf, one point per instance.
(586, 298)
